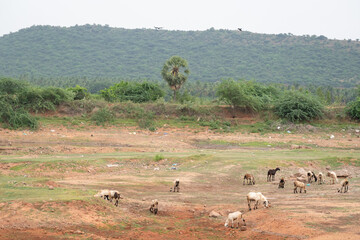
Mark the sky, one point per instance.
(339, 19)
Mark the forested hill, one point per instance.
(101, 51)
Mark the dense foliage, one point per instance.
(298, 107)
(79, 92)
(100, 51)
(17, 98)
(353, 109)
(132, 91)
(246, 94)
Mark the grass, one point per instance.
(203, 162)
(12, 188)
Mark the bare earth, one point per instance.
(322, 213)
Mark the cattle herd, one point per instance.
(256, 197)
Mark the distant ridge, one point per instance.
(102, 51)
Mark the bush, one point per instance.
(103, 116)
(79, 92)
(15, 116)
(246, 94)
(353, 109)
(132, 91)
(12, 86)
(298, 107)
(158, 157)
(43, 99)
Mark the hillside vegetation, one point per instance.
(95, 51)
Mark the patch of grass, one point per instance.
(158, 157)
(12, 188)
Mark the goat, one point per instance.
(176, 186)
(271, 174)
(333, 176)
(344, 184)
(282, 183)
(105, 193)
(311, 175)
(321, 178)
(115, 195)
(301, 185)
(235, 216)
(250, 180)
(154, 206)
(256, 197)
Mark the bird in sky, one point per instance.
(158, 28)
(240, 29)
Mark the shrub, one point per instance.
(132, 91)
(79, 92)
(15, 116)
(103, 116)
(158, 157)
(33, 100)
(246, 94)
(353, 109)
(298, 107)
(12, 86)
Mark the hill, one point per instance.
(100, 51)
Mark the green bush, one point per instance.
(14, 116)
(298, 107)
(12, 86)
(246, 94)
(132, 91)
(158, 157)
(353, 109)
(32, 99)
(79, 92)
(103, 116)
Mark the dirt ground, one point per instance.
(321, 213)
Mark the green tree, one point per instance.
(175, 72)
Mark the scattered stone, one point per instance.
(302, 171)
(51, 187)
(243, 228)
(214, 214)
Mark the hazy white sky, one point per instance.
(338, 19)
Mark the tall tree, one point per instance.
(175, 72)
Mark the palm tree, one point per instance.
(175, 73)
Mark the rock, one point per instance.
(302, 171)
(51, 187)
(343, 173)
(243, 228)
(328, 168)
(214, 214)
